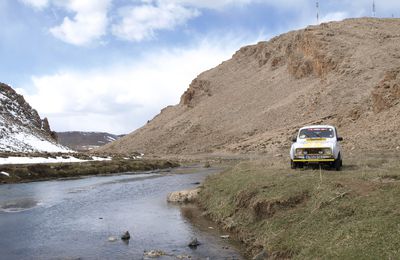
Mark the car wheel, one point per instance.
(293, 165)
(337, 164)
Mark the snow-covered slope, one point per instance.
(21, 128)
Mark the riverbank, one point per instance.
(310, 213)
(50, 171)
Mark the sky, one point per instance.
(112, 65)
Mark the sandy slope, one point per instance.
(343, 73)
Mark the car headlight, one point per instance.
(327, 151)
(299, 151)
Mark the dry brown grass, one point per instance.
(352, 214)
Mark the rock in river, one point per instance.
(185, 196)
(112, 239)
(194, 243)
(126, 236)
(261, 256)
(153, 254)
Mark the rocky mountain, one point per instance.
(342, 73)
(21, 128)
(84, 141)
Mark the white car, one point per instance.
(316, 144)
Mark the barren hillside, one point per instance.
(84, 141)
(343, 73)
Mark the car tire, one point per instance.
(293, 165)
(337, 164)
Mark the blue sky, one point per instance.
(111, 65)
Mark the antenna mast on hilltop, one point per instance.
(317, 5)
(373, 8)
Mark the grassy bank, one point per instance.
(310, 213)
(39, 172)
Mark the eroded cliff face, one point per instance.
(196, 90)
(387, 93)
(21, 128)
(342, 73)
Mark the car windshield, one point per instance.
(316, 133)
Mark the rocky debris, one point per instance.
(126, 236)
(194, 243)
(153, 254)
(263, 255)
(225, 236)
(185, 196)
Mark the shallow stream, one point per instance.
(76, 219)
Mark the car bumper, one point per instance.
(314, 160)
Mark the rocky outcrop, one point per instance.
(387, 93)
(21, 128)
(184, 196)
(196, 90)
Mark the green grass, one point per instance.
(310, 214)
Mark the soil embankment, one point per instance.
(310, 213)
(41, 172)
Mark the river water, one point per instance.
(75, 219)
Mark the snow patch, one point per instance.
(5, 173)
(16, 140)
(36, 160)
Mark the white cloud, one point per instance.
(89, 23)
(220, 4)
(335, 16)
(138, 22)
(37, 4)
(141, 22)
(212, 4)
(122, 97)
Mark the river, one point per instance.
(75, 219)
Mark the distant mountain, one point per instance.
(83, 141)
(343, 73)
(21, 128)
